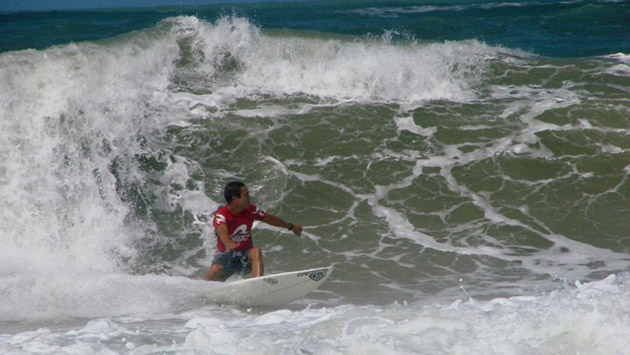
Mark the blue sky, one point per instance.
(28, 5)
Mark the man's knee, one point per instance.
(218, 268)
(215, 273)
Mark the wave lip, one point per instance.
(73, 120)
(236, 59)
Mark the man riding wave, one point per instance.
(233, 228)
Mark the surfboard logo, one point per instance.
(271, 281)
(315, 275)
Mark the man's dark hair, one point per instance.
(232, 189)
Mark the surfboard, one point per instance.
(271, 290)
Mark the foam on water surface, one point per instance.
(588, 317)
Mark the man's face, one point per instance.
(244, 201)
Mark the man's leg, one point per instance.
(255, 257)
(215, 273)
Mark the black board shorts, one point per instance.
(233, 262)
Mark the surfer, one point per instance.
(233, 228)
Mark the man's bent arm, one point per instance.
(279, 222)
(222, 231)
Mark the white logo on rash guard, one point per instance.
(240, 234)
(259, 212)
(220, 219)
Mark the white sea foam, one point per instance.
(622, 69)
(245, 62)
(35, 298)
(407, 124)
(584, 319)
(589, 317)
(75, 119)
(622, 57)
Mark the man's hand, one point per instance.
(297, 229)
(231, 246)
(279, 222)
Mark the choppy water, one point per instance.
(472, 194)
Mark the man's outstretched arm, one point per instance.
(279, 222)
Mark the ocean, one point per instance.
(463, 166)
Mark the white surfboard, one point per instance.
(271, 290)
